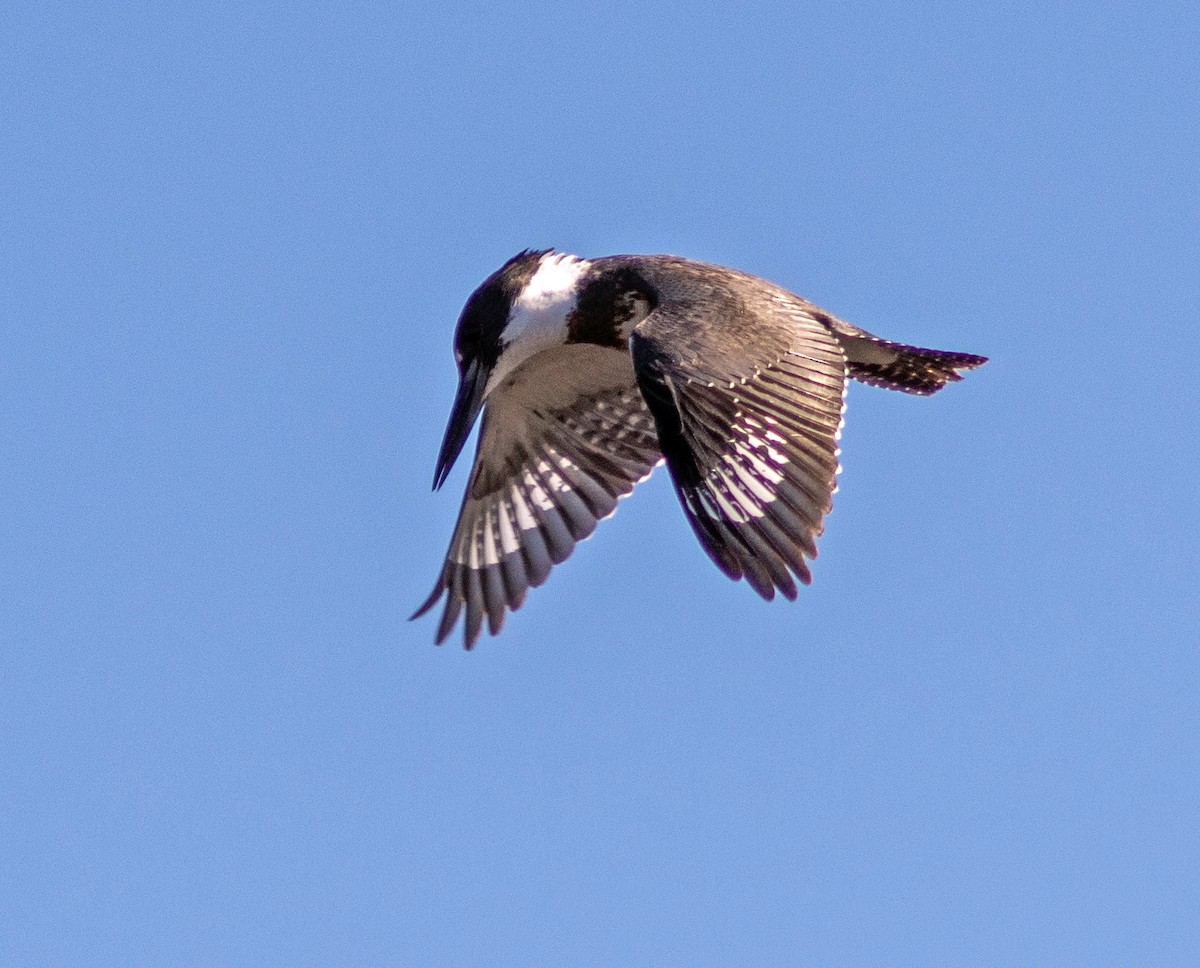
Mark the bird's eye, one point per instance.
(465, 348)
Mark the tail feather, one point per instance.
(912, 369)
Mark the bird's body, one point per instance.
(590, 372)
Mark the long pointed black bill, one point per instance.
(467, 404)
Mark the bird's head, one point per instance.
(521, 309)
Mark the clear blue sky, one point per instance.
(234, 240)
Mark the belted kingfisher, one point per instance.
(590, 372)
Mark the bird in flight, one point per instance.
(589, 372)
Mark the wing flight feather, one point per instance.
(746, 386)
(563, 439)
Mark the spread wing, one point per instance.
(746, 386)
(562, 439)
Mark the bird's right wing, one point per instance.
(746, 387)
(562, 439)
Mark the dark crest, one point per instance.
(486, 312)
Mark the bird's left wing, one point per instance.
(746, 385)
(562, 439)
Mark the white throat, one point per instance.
(538, 319)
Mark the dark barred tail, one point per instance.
(908, 368)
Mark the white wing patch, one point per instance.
(743, 483)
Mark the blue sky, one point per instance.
(235, 242)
